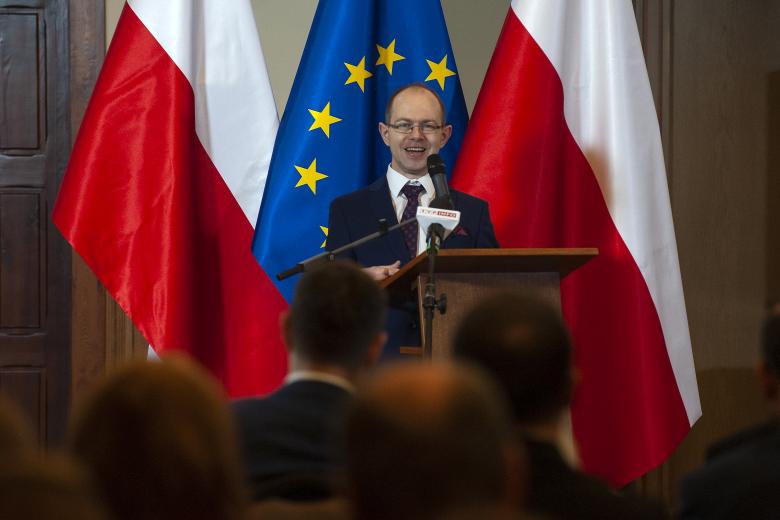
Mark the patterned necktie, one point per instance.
(412, 193)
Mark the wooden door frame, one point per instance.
(101, 334)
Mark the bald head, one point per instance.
(425, 438)
(415, 88)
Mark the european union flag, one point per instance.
(357, 54)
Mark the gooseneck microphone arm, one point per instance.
(329, 256)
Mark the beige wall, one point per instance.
(284, 24)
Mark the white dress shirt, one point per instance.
(396, 182)
(322, 377)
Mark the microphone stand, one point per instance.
(329, 256)
(430, 302)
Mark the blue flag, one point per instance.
(357, 54)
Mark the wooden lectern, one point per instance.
(468, 275)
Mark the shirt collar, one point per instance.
(322, 377)
(396, 181)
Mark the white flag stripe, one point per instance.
(609, 110)
(233, 98)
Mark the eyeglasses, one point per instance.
(405, 127)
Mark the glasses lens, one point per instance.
(406, 128)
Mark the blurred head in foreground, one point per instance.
(425, 441)
(15, 436)
(158, 441)
(54, 488)
(523, 343)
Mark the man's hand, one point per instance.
(380, 272)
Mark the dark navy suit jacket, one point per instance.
(555, 490)
(357, 214)
(290, 434)
(740, 480)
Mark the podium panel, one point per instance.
(469, 275)
(465, 290)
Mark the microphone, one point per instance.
(438, 173)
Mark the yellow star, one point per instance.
(323, 119)
(310, 176)
(387, 56)
(439, 71)
(358, 74)
(324, 230)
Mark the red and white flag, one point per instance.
(162, 190)
(565, 146)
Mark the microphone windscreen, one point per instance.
(436, 165)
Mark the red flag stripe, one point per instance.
(147, 210)
(520, 155)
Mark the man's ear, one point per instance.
(384, 130)
(446, 132)
(285, 326)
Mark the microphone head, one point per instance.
(436, 165)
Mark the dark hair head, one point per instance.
(158, 441)
(15, 435)
(337, 311)
(770, 341)
(421, 86)
(55, 487)
(524, 345)
(424, 439)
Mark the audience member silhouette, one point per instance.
(741, 478)
(430, 441)
(158, 441)
(52, 489)
(334, 333)
(525, 346)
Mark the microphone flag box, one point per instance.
(447, 218)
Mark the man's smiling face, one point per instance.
(410, 152)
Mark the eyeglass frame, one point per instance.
(432, 129)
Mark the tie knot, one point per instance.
(412, 191)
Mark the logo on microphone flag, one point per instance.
(357, 54)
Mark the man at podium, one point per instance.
(414, 128)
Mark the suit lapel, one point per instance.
(382, 206)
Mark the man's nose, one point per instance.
(417, 131)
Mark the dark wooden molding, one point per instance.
(87, 48)
(102, 335)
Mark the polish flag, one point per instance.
(565, 146)
(162, 190)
